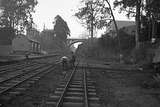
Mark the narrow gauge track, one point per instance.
(16, 84)
(77, 91)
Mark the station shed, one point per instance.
(25, 45)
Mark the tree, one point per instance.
(94, 14)
(133, 8)
(153, 6)
(98, 14)
(17, 13)
(61, 28)
(140, 9)
(153, 15)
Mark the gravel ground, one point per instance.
(123, 89)
(38, 92)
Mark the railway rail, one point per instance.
(15, 82)
(77, 90)
(15, 67)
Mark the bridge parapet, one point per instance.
(71, 41)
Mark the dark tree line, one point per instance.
(17, 14)
(146, 13)
(98, 14)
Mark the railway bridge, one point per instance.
(71, 41)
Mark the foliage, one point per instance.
(144, 54)
(127, 41)
(94, 10)
(145, 34)
(17, 13)
(107, 42)
(126, 5)
(61, 28)
(154, 6)
(148, 9)
(107, 46)
(130, 6)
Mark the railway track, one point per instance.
(12, 66)
(16, 68)
(77, 90)
(24, 63)
(17, 81)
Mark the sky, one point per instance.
(46, 10)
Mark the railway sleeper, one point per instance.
(90, 94)
(9, 84)
(91, 86)
(90, 81)
(62, 85)
(50, 104)
(94, 105)
(58, 92)
(35, 78)
(73, 99)
(93, 99)
(2, 87)
(91, 90)
(16, 81)
(14, 93)
(53, 98)
(20, 89)
(75, 86)
(75, 89)
(31, 81)
(65, 104)
(73, 104)
(59, 89)
(76, 83)
(74, 94)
